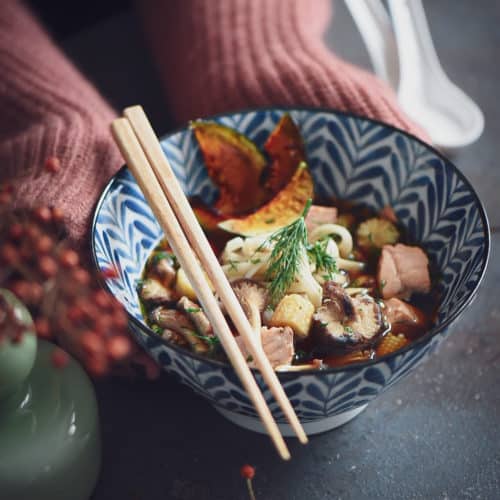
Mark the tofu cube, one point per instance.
(184, 287)
(296, 312)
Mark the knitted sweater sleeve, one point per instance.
(235, 54)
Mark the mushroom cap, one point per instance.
(346, 323)
(251, 292)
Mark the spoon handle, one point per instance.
(417, 56)
(374, 26)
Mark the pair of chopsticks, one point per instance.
(154, 175)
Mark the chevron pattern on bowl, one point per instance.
(350, 158)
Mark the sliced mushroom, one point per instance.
(369, 320)
(181, 324)
(153, 292)
(253, 298)
(174, 337)
(338, 301)
(345, 323)
(165, 269)
(196, 315)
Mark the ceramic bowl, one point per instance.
(350, 158)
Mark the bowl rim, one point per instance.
(312, 371)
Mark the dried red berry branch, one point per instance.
(66, 302)
(248, 473)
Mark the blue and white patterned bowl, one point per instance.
(351, 158)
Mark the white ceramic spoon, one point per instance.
(450, 117)
(374, 25)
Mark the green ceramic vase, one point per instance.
(49, 433)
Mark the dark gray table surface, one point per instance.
(435, 435)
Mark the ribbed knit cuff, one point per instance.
(48, 108)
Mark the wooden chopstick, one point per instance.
(146, 179)
(203, 250)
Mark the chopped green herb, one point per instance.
(322, 259)
(163, 255)
(157, 329)
(139, 284)
(211, 340)
(233, 265)
(382, 284)
(256, 261)
(348, 329)
(323, 323)
(270, 221)
(193, 309)
(289, 248)
(249, 359)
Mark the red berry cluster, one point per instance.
(66, 301)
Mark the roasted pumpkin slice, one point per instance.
(234, 164)
(280, 211)
(286, 150)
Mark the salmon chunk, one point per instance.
(277, 343)
(404, 318)
(319, 215)
(403, 270)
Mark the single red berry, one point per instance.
(109, 273)
(53, 164)
(57, 214)
(32, 231)
(118, 347)
(16, 231)
(91, 343)
(120, 319)
(26, 252)
(81, 276)
(35, 292)
(44, 244)
(59, 358)
(21, 289)
(102, 299)
(247, 471)
(43, 214)
(9, 254)
(102, 323)
(97, 365)
(47, 266)
(43, 328)
(90, 311)
(5, 198)
(69, 258)
(75, 314)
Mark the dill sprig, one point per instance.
(289, 248)
(321, 258)
(211, 340)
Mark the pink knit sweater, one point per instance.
(212, 56)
